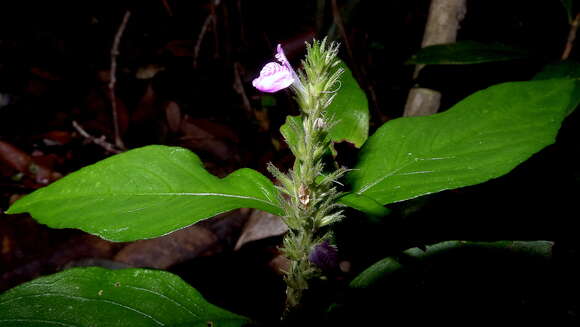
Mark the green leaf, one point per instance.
(482, 137)
(289, 132)
(145, 193)
(466, 52)
(349, 109)
(108, 298)
(364, 204)
(561, 69)
(389, 265)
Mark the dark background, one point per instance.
(54, 69)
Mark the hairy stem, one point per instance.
(309, 193)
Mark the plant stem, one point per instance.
(310, 195)
(571, 37)
(300, 241)
(441, 28)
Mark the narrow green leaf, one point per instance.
(389, 265)
(561, 69)
(482, 137)
(466, 52)
(99, 297)
(145, 193)
(377, 272)
(349, 110)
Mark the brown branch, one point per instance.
(340, 25)
(24, 163)
(319, 18)
(167, 7)
(113, 79)
(571, 37)
(239, 88)
(100, 141)
(441, 28)
(210, 18)
(442, 24)
(359, 71)
(422, 102)
(214, 29)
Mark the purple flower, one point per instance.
(324, 256)
(275, 77)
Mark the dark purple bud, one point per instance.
(324, 256)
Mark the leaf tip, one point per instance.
(14, 209)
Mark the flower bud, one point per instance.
(324, 256)
(319, 123)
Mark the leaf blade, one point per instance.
(384, 268)
(466, 53)
(349, 111)
(145, 193)
(482, 137)
(100, 297)
(364, 204)
(560, 69)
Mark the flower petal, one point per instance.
(273, 77)
(281, 57)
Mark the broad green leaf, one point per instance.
(145, 193)
(356, 201)
(466, 52)
(364, 204)
(99, 297)
(389, 265)
(482, 137)
(561, 69)
(349, 110)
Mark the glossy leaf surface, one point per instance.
(482, 137)
(145, 193)
(99, 297)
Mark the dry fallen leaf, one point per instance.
(206, 237)
(24, 163)
(261, 225)
(165, 251)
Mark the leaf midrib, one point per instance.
(439, 149)
(116, 194)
